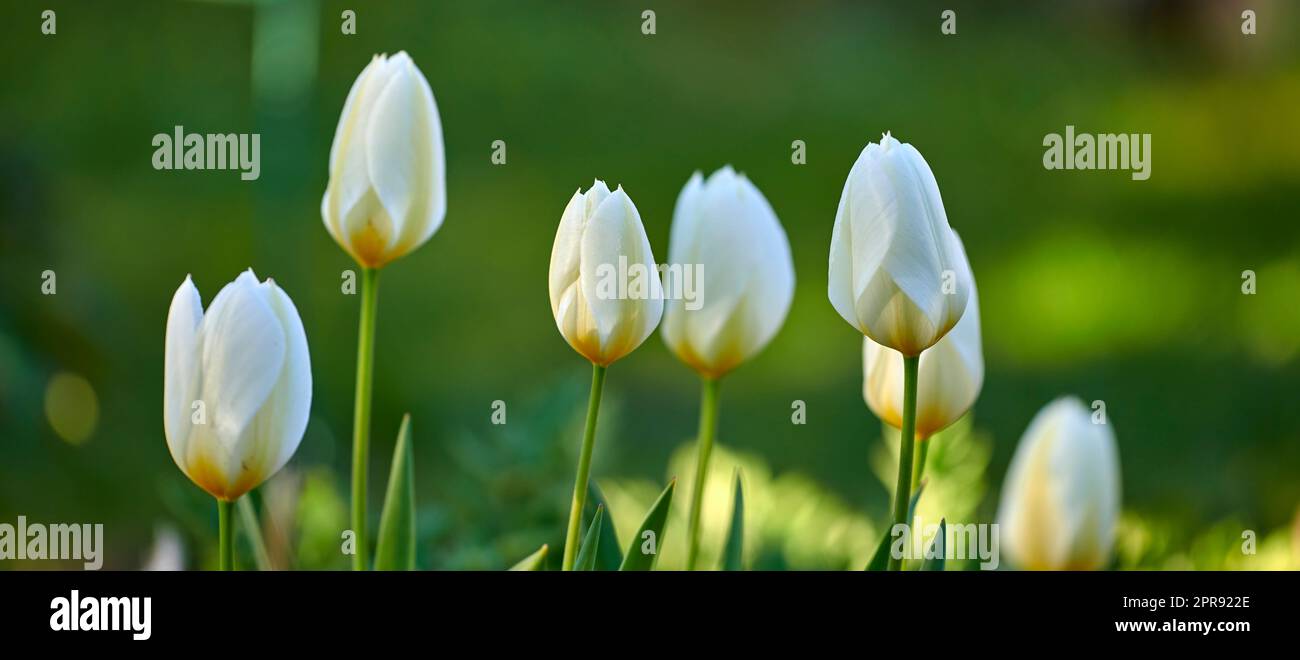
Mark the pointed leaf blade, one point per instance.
(937, 551)
(608, 555)
(533, 562)
(733, 552)
(395, 548)
(635, 559)
(880, 559)
(590, 543)
(253, 530)
(916, 497)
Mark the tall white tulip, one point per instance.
(951, 374)
(387, 190)
(725, 225)
(605, 290)
(894, 275)
(387, 194)
(607, 298)
(237, 387)
(727, 243)
(1061, 496)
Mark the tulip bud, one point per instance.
(726, 226)
(237, 384)
(894, 275)
(951, 373)
(1060, 499)
(387, 191)
(605, 290)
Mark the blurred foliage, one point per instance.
(1143, 543)
(790, 521)
(1091, 283)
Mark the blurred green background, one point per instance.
(1090, 283)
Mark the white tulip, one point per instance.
(237, 385)
(605, 290)
(893, 274)
(1060, 499)
(387, 191)
(951, 373)
(726, 227)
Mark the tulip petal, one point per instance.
(622, 321)
(729, 268)
(181, 366)
(566, 252)
(343, 133)
(277, 429)
(348, 199)
(404, 155)
(772, 288)
(572, 316)
(842, 270)
(883, 382)
(687, 218)
(243, 351)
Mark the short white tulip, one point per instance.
(725, 226)
(237, 384)
(387, 190)
(951, 374)
(605, 290)
(893, 274)
(1060, 499)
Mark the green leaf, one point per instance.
(911, 504)
(253, 530)
(937, 549)
(734, 549)
(636, 560)
(608, 555)
(395, 548)
(533, 562)
(587, 553)
(880, 559)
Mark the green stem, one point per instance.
(708, 429)
(918, 470)
(361, 415)
(226, 536)
(584, 468)
(903, 490)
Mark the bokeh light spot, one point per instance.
(71, 407)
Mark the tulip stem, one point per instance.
(226, 536)
(708, 429)
(584, 468)
(903, 490)
(361, 416)
(922, 450)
